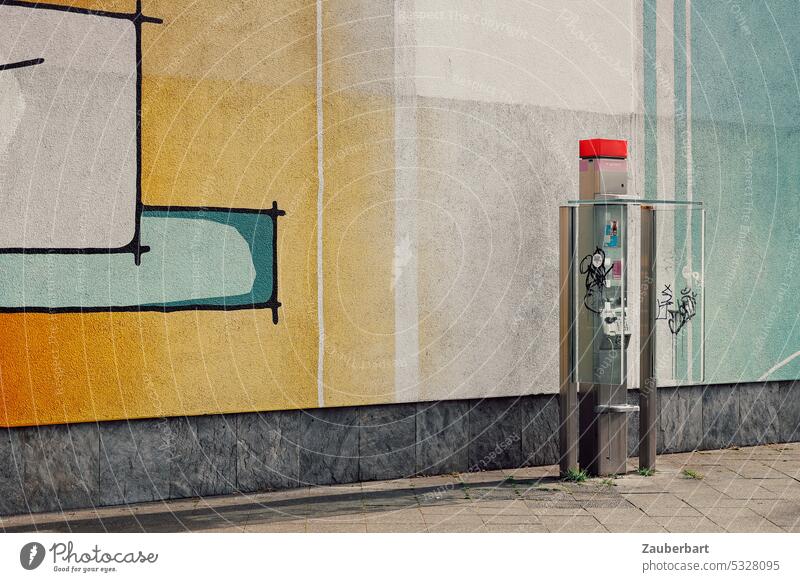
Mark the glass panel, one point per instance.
(635, 202)
(679, 294)
(599, 296)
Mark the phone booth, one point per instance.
(631, 309)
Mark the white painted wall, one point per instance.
(504, 91)
(68, 130)
(574, 54)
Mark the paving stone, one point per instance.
(781, 513)
(316, 527)
(619, 516)
(662, 505)
(572, 524)
(461, 506)
(635, 528)
(396, 528)
(439, 520)
(786, 489)
(712, 500)
(411, 516)
(741, 489)
(282, 527)
(688, 524)
(500, 519)
(509, 508)
(755, 471)
(515, 528)
(724, 515)
(753, 526)
(649, 499)
(457, 528)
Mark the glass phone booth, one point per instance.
(631, 316)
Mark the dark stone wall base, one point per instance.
(64, 467)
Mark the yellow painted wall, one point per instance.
(359, 203)
(229, 118)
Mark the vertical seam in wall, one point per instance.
(358, 441)
(649, 24)
(688, 105)
(683, 80)
(738, 403)
(680, 76)
(236, 453)
(99, 465)
(688, 148)
(416, 440)
(320, 208)
(406, 296)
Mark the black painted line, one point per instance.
(21, 64)
(144, 308)
(272, 303)
(70, 251)
(274, 211)
(134, 17)
(137, 227)
(134, 247)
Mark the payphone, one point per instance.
(619, 255)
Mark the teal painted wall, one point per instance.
(744, 133)
(197, 258)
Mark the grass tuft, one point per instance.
(691, 474)
(575, 475)
(646, 471)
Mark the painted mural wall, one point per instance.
(355, 201)
(722, 121)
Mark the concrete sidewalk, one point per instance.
(755, 489)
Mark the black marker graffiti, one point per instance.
(593, 266)
(677, 317)
(664, 303)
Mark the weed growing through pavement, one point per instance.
(575, 475)
(691, 474)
